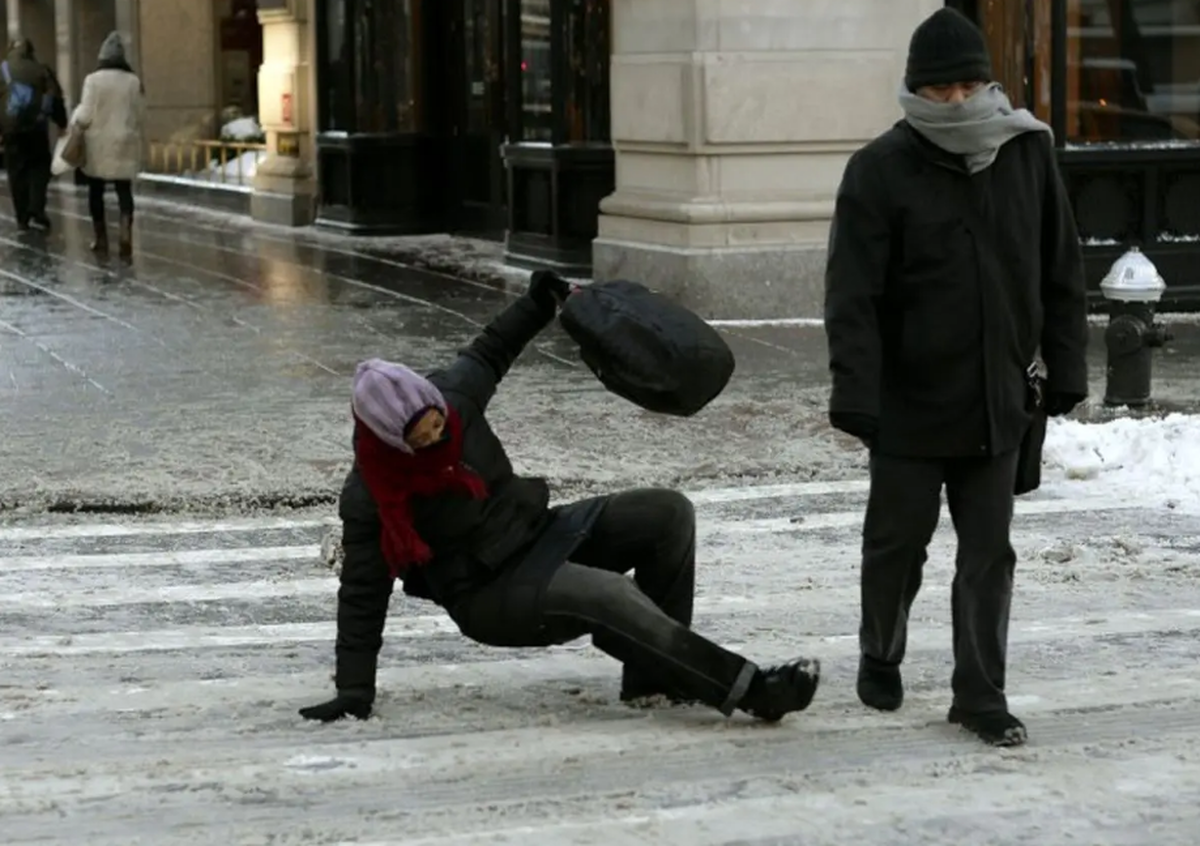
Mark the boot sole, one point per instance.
(1006, 741)
(881, 701)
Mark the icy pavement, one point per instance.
(152, 671)
(213, 374)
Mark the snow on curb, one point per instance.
(1155, 459)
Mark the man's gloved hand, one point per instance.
(1059, 403)
(347, 703)
(861, 426)
(548, 289)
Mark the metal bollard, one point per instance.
(1133, 288)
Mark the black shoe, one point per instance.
(40, 221)
(777, 691)
(995, 728)
(23, 225)
(879, 685)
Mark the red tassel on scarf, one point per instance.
(393, 477)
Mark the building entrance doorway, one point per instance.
(476, 119)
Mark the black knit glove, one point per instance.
(347, 703)
(861, 426)
(1059, 403)
(548, 289)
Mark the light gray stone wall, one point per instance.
(732, 122)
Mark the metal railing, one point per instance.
(213, 162)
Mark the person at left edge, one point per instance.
(432, 499)
(32, 98)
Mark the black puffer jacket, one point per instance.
(941, 286)
(471, 540)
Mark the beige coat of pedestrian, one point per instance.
(111, 114)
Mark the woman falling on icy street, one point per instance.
(432, 499)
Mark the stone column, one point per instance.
(93, 22)
(34, 20)
(128, 22)
(284, 187)
(66, 43)
(732, 121)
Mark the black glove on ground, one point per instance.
(861, 426)
(343, 705)
(548, 289)
(1059, 403)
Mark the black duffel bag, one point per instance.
(647, 348)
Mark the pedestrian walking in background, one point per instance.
(31, 99)
(111, 114)
(953, 256)
(432, 499)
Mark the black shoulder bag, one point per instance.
(1029, 459)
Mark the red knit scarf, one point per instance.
(393, 477)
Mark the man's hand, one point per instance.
(345, 704)
(861, 426)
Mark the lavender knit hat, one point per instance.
(387, 397)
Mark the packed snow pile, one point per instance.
(238, 170)
(242, 129)
(1156, 460)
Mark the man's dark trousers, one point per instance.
(27, 158)
(902, 513)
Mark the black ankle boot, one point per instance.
(880, 685)
(780, 690)
(995, 728)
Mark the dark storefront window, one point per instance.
(1130, 69)
(586, 27)
(537, 78)
(372, 59)
(1133, 70)
(562, 70)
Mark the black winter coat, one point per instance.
(472, 540)
(940, 287)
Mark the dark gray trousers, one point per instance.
(644, 622)
(27, 159)
(902, 514)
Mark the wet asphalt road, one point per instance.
(213, 373)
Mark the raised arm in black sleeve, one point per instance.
(856, 270)
(363, 598)
(480, 367)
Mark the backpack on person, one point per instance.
(23, 108)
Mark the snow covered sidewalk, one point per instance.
(1153, 461)
(152, 671)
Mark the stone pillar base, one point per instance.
(743, 283)
(283, 209)
(284, 192)
(284, 187)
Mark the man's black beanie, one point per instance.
(947, 47)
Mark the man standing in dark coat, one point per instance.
(953, 256)
(30, 97)
(432, 499)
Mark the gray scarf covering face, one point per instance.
(975, 129)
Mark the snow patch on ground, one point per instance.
(1155, 460)
(242, 129)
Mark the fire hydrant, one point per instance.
(1133, 288)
